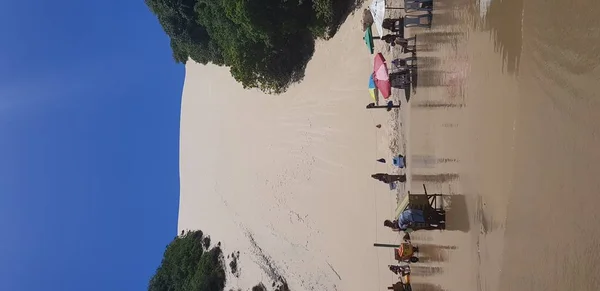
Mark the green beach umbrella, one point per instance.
(369, 39)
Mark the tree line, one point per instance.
(190, 264)
(265, 43)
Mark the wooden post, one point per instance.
(388, 106)
(385, 245)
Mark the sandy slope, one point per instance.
(504, 121)
(292, 171)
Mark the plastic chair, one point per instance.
(415, 20)
(400, 80)
(412, 6)
(404, 63)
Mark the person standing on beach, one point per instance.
(389, 179)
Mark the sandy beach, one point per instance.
(504, 122)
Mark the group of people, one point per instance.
(415, 217)
(400, 79)
(410, 219)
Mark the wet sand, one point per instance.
(504, 121)
(525, 135)
(557, 161)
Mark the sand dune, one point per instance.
(503, 121)
(291, 171)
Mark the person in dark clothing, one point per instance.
(400, 79)
(395, 25)
(392, 224)
(388, 179)
(393, 40)
(396, 269)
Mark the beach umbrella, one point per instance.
(381, 76)
(369, 40)
(377, 9)
(373, 89)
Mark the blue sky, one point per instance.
(89, 139)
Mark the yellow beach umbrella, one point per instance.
(373, 89)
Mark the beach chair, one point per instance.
(405, 63)
(416, 20)
(412, 6)
(400, 80)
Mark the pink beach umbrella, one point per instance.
(381, 76)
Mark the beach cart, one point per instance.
(406, 253)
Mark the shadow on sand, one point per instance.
(428, 62)
(432, 253)
(436, 104)
(426, 287)
(425, 271)
(442, 37)
(445, 18)
(430, 161)
(431, 78)
(437, 178)
(426, 47)
(457, 216)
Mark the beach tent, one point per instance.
(377, 9)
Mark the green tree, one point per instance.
(265, 43)
(189, 264)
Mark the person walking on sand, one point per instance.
(389, 179)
